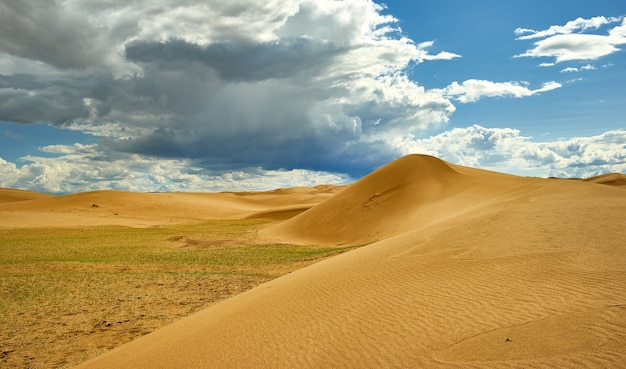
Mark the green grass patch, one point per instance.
(113, 284)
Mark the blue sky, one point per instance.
(483, 33)
(247, 95)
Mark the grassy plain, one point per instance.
(68, 294)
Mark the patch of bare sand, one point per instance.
(28, 209)
(611, 179)
(8, 195)
(473, 269)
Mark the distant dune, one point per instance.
(612, 179)
(463, 268)
(11, 195)
(27, 209)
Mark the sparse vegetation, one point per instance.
(68, 294)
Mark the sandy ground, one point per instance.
(463, 268)
(80, 307)
(30, 209)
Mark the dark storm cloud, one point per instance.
(24, 99)
(41, 30)
(241, 62)
(236, 84)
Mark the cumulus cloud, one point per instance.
(507, 150)
(473, 90)
(582, 68)
(230, 94)
(568, 42)
(271, 84)
(77, 168)
(74, 168)
(424, 55)
(579, 24)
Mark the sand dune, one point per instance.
(8, 195)
(148, 209)
(465, 269)
(612, 179)
(409, 193)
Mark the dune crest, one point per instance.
(8, 195)
(409, 193)
(611, 179)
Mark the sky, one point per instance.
(234, 95)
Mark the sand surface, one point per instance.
(28, 209)
(463, 268)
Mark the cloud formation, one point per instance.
(568, 42)
(272, 84)
(74, 168)
(238, 94)
(579, 24)
(507, 150)
(582, 68)
(473, 90)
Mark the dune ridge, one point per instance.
(465, 268)
(8, 195)
(611, 179)
(409, 193)
(148, 209)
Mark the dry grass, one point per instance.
(68, 294)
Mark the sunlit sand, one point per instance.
(460, 268)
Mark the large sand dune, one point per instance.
(405, 195)
(464, 269)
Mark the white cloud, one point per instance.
(507, 150)
(568, 42)
(573, 47)
(473, 90)
(76, 148)
(84, 168)
(579, 24)
(547, 86)
(574, 69)
(424, 55)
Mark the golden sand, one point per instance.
(463, 268)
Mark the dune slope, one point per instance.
(9, 195)
(611, 179)
(406, 194)
(28, 209)
(484, 271)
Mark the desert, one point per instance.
(420, 264)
